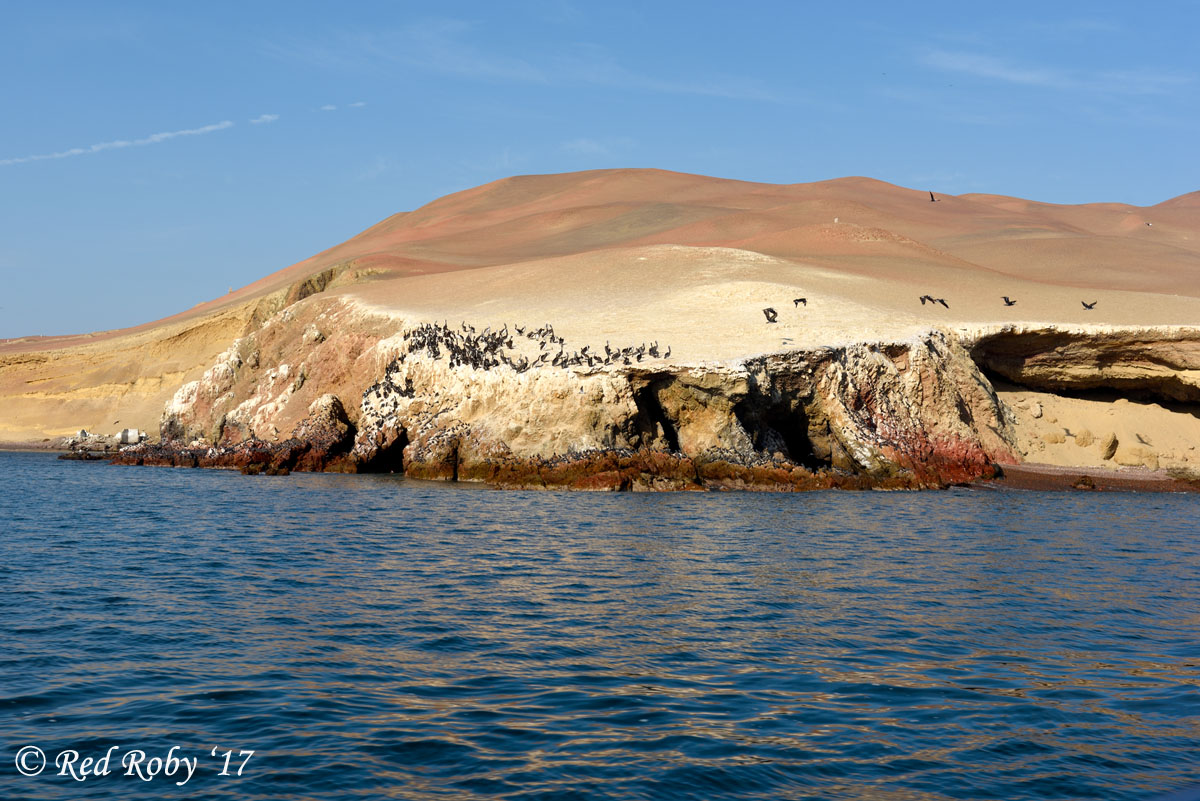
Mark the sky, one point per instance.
(153, 155)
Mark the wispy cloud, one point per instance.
(117, 144)
(443, 46)
(439, 45)
(1139, 81)
(382, 165)
(328, 107)
(505, 162)
(585, 146)
(359, 104)
(262, 119)
(589, 64)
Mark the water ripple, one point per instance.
(372, 637)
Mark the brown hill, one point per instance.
(654, 255)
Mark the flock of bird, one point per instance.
(488, 349)
(773, 316)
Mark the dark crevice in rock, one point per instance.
(652, 418)
(1105, 395)
(792, 425)
(778, 426)
(388, 458)
(964, 412)
(1099, 366)
(1099, 394)
(312, 285)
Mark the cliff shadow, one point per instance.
(779, 426)
(387, 458)
(652, 421)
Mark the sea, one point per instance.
(177, 633)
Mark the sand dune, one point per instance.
(687, 260)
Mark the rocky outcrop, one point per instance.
(1158, 363)
(319, 443)
(496, 408)
(87, 441)
(264, 383)
(913, 414)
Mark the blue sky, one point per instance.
(152, 155)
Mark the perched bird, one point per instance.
(798, 301)
(771, 314)
(1009, 301)
(1091, 305)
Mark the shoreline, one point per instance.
(1047, 477)
(18, 447)
(651, 475)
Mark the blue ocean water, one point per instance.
(372, 637)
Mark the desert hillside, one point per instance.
(688, 262)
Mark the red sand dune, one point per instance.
(684, 259)
(881, 230)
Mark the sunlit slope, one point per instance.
(644, 255)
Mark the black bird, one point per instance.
(798, 301)
(925, 298)
(1009, 301)
(942, 301)
(932, 199)
(1091, 305)
(771, 314)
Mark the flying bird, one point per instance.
(798, 301)
(942, 301)
(771, 314)
(925, 298)
(932, 199)
(1091, 305)
(1009, 301)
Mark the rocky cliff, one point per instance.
(916, 413)
(325, 385)
(437, 402)
(645, 329)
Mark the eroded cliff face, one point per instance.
(1161, 363)
(1100, 397)
(912, 414)
(321, 385)
(262, 385)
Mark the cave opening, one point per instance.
(778, 427)
(389, 458)
(652, 416)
